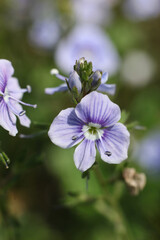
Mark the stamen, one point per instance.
(79, 135)
(108, 153)
(23, 90)
(22, 113)
(55, 72)
(29, 89)
(74, 137)
(23, 103)
(13, 109)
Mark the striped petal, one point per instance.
(116, 141)
(98, 108)
(107, 88)
(7, 119)
(6, 71)
(104, 77)
(84, 155)
(65, 127)
(61, 88)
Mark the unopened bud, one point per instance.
(96, 77)
(134, 181)
(75, 81)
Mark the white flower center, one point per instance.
(92, 131)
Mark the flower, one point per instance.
(141, 9)
(93, 123)
(74, 80)
(138, 68)
(10, 95)
(41, 33)
(97, 12)
(147, 152)
(91, 42)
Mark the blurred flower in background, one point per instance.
(148, 152)
(91, 42)
(42, 9)
(141, 9)
(44, 33)
(98, 12)
(45, 29)
(138, 68)
(18, 13)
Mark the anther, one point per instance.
(29, 89)
(108, 153)
(54, 71)
(34, 106)
(22, 113)
(74, 137)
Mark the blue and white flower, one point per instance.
(91, 42)
(10, 99)
(93, 123)
(141, 9)
(75, 81)
(44, 33)
(97, 12)
(148, 152)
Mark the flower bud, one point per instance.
(134, 181)
(96, 76)
(75, 81)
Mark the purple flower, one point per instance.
(141, 9)
(97, 12)
(93, 123)
(148, 152)
(74, 80)
(41, 33)
(10, 97)
(91, 42)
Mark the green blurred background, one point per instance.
(34, 192)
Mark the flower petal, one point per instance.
(104, 77)
(24, 120)
(61, 88)
(13, 88)
(115, 140)
(107, 88)
(7, 119)
(98, 108)
(64, 127)
(6, 71)
(84, 155)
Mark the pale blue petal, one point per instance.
(115, 140)
(64, 127)
(98, 108)
(7, 119)
(104, 77)
(75, 81)
(107, 88)
(24, 120)
(6, 71)
(61, 88)
(84, 155)
(13, 88)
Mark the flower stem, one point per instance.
(111, 209)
